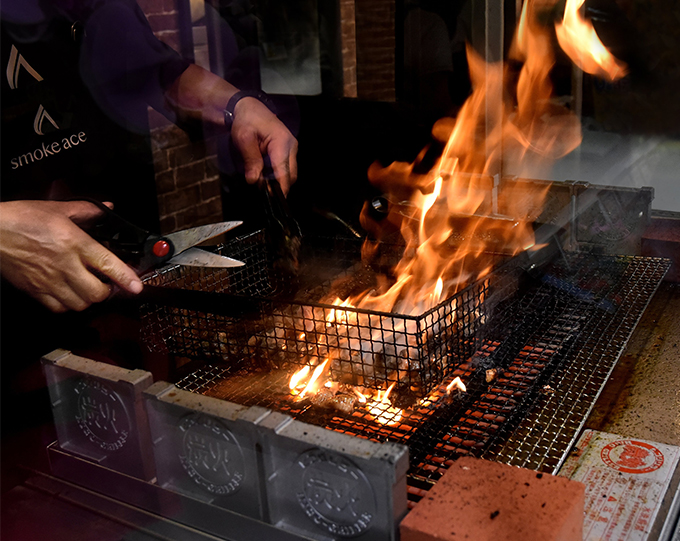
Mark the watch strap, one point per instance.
(231, 104)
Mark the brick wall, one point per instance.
(375, 41)
(349, 48)
(187, 178)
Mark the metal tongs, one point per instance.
(283, 232)
(144, 250)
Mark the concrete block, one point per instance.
(327, 486)
(206, 448)
(98, 412)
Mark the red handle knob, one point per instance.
(161, 248)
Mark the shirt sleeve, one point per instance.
(125, 66)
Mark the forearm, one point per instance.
(201, 95)
(255, 130)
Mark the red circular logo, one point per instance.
(630, 456)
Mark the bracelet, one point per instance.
(231, 104)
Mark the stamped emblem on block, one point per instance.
(632, 456)
(335, 494)
(101, 415)
(211, 455)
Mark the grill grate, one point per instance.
(553, 346)
(366, 347)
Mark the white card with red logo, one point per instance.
(625, 478)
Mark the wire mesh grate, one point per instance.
(545, 355)
(369, 348)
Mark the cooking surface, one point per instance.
(554, 346)
(638, 401)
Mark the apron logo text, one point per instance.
(46, 150)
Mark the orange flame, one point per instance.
(446, 216)
(382, 410)
(453, 217)
(340, 317)
(311, 387)
(301, 382)
(298, 377)
(458, 384)
(578, 39)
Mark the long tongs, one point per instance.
(283, 232)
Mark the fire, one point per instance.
(300, 380)
(382, 410)
(297, 378)
(445, 216)
(340, 317)
(449, 217)
(456, 383)
(578, 39)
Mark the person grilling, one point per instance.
(79, 78)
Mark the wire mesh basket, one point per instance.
(247, 316)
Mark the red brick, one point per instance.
(168, 137)
(486, 501)
(170, 38)
(212, 168)
(204, 213)
(178, 200)
(160, 161)
(165, 182)
(186, 154)
(188, 175)
(152, 7)
(210, 188)
(168, 224)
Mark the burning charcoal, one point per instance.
(403, 397)
(323, 397)
(343, 403)
(491, 374)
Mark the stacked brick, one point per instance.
(375, 42)
(187, 178)
(349, 48)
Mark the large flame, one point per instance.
(445, 215)
(578, 39)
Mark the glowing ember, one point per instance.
(382, 410)
(456, 383)
(578, 39)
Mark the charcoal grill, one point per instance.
(552, 336)
(250, 314)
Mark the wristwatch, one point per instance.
(231, 104)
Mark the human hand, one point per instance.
(45, 253)
(257, 132)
